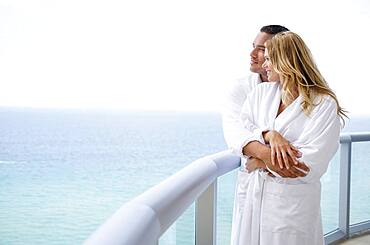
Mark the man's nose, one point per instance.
(253, 52)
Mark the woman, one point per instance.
(297, 115)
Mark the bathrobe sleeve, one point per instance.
(249, 122)
(319, 140)
(252, 114)
(235, 133)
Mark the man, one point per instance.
(232, 125)
(234, 131)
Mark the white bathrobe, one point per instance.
(234, 131)
(283, 211)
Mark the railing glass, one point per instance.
(329, 202)
(225, 201)
(182, 232)
(360, 183)
(340, 216)
(330, 195)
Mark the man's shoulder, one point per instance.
(248, 82)
(252, 79)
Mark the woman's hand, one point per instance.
(281, 150)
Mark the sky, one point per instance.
(167, 54)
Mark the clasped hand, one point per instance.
(283, 158)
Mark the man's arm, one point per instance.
(257, 150)
(234, 131)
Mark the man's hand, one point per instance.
(293, 172)
(254, 163)
(296, 170)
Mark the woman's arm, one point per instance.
(254, 144)
(320, 139)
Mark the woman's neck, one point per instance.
(289, 94)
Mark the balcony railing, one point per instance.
(144, 219)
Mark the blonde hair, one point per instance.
(292, 60)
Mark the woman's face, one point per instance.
(272, 75)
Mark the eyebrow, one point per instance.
(259, 46)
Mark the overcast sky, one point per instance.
(167, 54)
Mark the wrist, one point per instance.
(267, 136)
(271, 135)
(264, 154)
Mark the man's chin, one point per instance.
(255, 69)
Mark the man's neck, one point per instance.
(263, 78)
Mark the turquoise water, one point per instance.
(63, 172)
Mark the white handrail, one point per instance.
(144, 219)
(354, 137)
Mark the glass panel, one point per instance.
(329, 201)
(182, 232)
(330, 195)
(225, 202)
(360, 183)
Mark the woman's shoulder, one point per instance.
(326, 106)
(325, 101)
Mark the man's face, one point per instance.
(257, 54)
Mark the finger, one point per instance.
(297, 172)
(303, 166)
(278, 156)
(292, 156)
(273, 156)
(293, 173)
(281, 173)
(297, 154)
(269, 173)
(294, 148)
(285, 173)
(285, 159)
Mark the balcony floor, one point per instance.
(361, 240)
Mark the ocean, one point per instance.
(64, 172)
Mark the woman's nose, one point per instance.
(264, 65)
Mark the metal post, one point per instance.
(345, 187)
(205, 216)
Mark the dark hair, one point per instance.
(273, 29)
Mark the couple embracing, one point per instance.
(285, 121)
